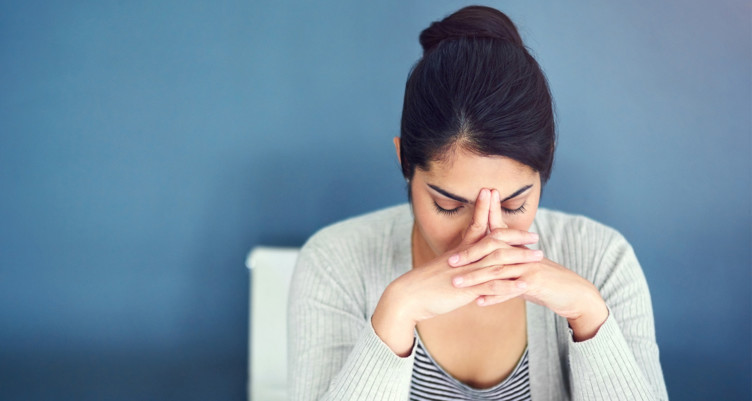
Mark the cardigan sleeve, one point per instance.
(621, 361)
(333, 351)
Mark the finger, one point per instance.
(495, 219)
(499, 288)
(485, 274)
(479, 226)
(499, 238)
(513, 236)
(487, 300)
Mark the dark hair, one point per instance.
(476, 87)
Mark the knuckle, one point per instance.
(469, 279)
(497, 242)
(496, 287)
(498, 254)
(524, 253)
(532, 276)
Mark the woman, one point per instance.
(471, 291)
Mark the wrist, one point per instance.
(393, 325)
(585, 325)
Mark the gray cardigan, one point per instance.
(334, 354)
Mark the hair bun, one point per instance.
(472, 21)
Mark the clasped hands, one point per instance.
(492, 265)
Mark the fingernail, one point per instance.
(521, 284)
(457, 281)
(483, 193)
(454, 259)
(534, 236)
(538, 254)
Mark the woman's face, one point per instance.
(443, 197)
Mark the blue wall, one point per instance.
(145, 147)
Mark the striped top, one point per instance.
(431, 382)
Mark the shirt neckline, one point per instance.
(464, 386)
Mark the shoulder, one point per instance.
(360, 228)
(559, 225)
(353, 257)
(360, 236)
(592, 249)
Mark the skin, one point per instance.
(476, 253)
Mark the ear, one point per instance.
(396, 141)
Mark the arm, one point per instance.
(336, 349)
(333, 351)
(621, 360)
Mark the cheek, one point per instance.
(441, 233)
(522, 223)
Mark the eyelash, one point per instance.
(450, 212)
(447, 212)
(519, 210)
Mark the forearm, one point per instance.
(593, 313)
(608, 367)
(392, 324)
(621, 360)
(369, 371)
(333, 352)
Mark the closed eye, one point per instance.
(519, 210)
(447, 212)
(450, 212)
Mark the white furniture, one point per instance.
(270, 272)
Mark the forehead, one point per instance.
(466, 173)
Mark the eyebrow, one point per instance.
(463, 200)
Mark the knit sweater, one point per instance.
(342, 270)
